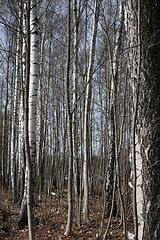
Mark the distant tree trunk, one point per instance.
(113, 118)
(21, 160)
(39, 138)
(114, 136)
(116, 92)
(87, 112)
(69, 114)
(14, 132)
(110, 168)
(74, 131)
(4, 133)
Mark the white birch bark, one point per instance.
(32, 71)
(32, 116)
(23, 209)
(33, 83)
(21, 165)
(24, 168)
(30, 77)
(14, 117)
(132, 25)
(87, 111)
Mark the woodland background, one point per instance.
(79, 118)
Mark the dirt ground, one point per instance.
(50, 222)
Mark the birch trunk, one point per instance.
(132, 24)
(30, 76)
(23, 209)
(33, 83)
(32, 106)
(21, 160)
(15, 118)
(149, 119)
(28, 177)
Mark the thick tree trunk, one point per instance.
(143, 24)
(149, 117)
(132, 25)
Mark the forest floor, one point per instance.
(50, 223)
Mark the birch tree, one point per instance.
(23, 209)
(132, 24)
(31, 71)
(149, 119)
(33, 83)
(14, 116)
(32, 106)
(143, 37)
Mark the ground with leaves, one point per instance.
(50, 221)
